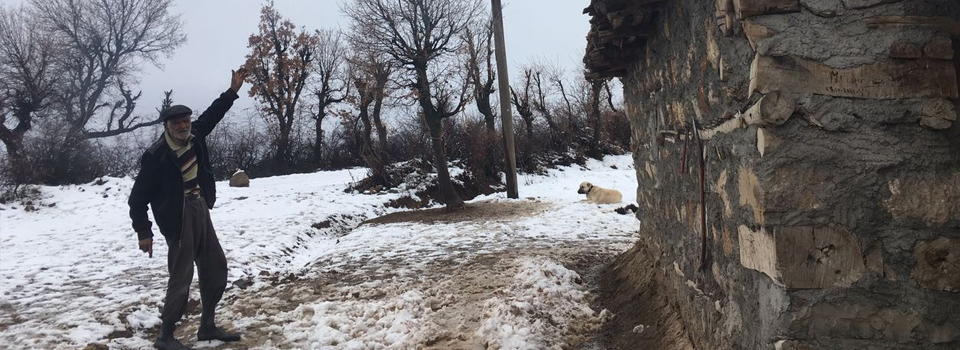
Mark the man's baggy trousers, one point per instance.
(198, 244)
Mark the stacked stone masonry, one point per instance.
(832, 166)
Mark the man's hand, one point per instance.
(236, 81)
(146, 246)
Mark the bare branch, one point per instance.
(100, 43)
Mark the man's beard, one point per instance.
(180, 135)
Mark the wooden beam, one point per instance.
(773, 108)
(750, 8)
(894, 79)
(756, 32)
(944, 24)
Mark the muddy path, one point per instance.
(487, 277)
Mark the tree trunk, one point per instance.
(378, 123)
(486, 109)
(381, 133)
(450, 197)
(434, 119)
(16, 158)
(595, 90)
(283, 150)
(569, 106)
(529, 123)
(372, 157)
(318, 145)
(13, 140)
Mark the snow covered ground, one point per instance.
(303, 275)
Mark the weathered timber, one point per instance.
(894, 79)
(938, 114)
(803, 257)
(618, 30)
(938, 264)
(770, 110)
(903, 48)
(773, 108)
(726, 16)
(756, 32)
(750, 8)
(943, 24)
(818, 257)
(939, 47)
(766, 141)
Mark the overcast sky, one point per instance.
(217, 32)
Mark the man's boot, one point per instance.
(209, 330)
(166, 341)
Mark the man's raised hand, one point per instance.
(236, 81)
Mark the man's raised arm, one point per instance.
(205, 123)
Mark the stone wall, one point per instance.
(831, 166)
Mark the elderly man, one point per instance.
(175, 179)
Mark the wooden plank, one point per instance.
(893, 79)
(817, 257)
(756, 32)
(750, 8)
(944, 24)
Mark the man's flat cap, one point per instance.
(174, 111)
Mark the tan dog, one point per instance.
(599, 195)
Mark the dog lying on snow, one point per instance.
(599, 195)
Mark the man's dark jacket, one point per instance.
(160, 182)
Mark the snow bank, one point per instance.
(546, 303)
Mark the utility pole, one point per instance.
(504, 79)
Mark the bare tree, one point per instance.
(610, 103)
(101, 46)
(522, 101)
(593, 111)
(569, 110)
(418, 35)
(280, 62)
(331, 84)
(481, 69)
(540, 102)
(27, 80)
(370, 77)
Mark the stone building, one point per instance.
(798, 165)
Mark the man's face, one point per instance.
(178, 127)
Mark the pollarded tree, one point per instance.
(521, 100)
(421, 36)
(370, 75)
(481, 69)
(330, 86)
(101, 46)
(27, 81)
(280, 61)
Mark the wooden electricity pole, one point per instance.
(505, 112)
